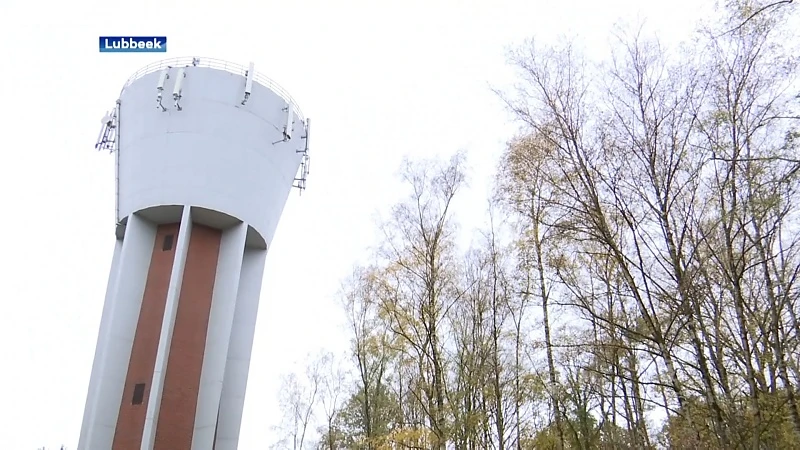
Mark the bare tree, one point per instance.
(641, 290)
(332, 394)
(372, 353)
(298, 398)
(526, 195)
(420, 280)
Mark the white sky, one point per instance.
(380, 82)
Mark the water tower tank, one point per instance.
(206, 154)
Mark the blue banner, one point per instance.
(133, 44)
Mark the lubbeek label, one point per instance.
(133, 44)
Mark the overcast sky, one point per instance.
(380, 82)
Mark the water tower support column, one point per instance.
(220, 324)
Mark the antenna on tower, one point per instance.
(161, 80)
(176, 93)
(107, 138)
(305, 162)
(307, 138)
(248, 84)
(287, 129)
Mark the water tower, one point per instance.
(206, 154)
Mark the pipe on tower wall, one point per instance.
(223, 307)
(237, 365)
(168, 325)
(107, 389)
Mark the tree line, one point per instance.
(637, 285)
